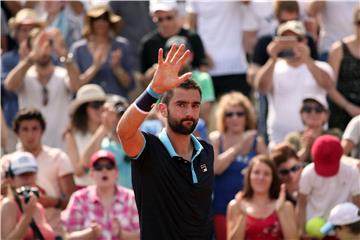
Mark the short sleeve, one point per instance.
(72, 217)
(305, 185)
(352, 131)
(64, 164)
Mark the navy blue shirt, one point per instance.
(173, 195)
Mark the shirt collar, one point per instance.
(166, 142)
(95, 198)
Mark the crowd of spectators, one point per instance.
(280, 105)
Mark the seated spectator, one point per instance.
(102, 211)
(235, 143)
(314, 114)
(85, 113)
(103, 57)
(25, 216)
(55, 175)
(326, 182)
(344, 219)
(289, 169)
(260, 211)
(351, 138)
(288, 75)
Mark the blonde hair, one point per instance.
(235, 99)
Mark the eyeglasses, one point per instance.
(167, 18)
(231, 114)
(286, 171)
(100, 167)
(308, 109)
(45, 96)
(96, 104)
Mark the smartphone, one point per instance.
(286, 38)
(287, 53)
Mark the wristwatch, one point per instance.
(66, 59)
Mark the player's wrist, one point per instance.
(147, 99)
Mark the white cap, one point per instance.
(341, 214)
(321, 99)
(23, 162)
(162, 5)
(294, 26)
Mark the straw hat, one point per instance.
(87, 93)
(25, 16)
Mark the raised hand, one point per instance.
(115, 59)
(166, 75)
(281, 199)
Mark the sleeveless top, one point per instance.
(44, 227)
(268, 228)
(231, 180)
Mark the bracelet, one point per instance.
(145, 101)
(66, 59)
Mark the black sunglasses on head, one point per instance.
(287, 171)
(101, 166)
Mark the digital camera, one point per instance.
(25, 191)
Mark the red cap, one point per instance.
(326, 153)
(102, 154)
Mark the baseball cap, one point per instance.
(102, 154)
(321, 99)
(341, 214)
(23, 162)
(293, 26)
(162, 5)
(326, 153)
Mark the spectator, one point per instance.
(261, 211)
(165, 15)
(55, 175)
(25, 216)
(173, 163)
(351, 138)
(289, 167)
(102, 57)
(286, 80)
(235, 143)
(334, 24)
(85, 113)
(326, 182)
(227, 61)
(344, 219)
(103, 211)
(41, 84)
(314, 115)
(20, 27)
(344, 58)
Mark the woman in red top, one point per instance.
(261, 211)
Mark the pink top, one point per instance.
(263, 228)
(85, 208)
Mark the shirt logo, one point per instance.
(203, 167)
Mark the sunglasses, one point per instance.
(104, 16)
(96, 104)
(45, 96)
(167, 18)
(308, 109)
(100, 167)
(286, 171)
(231, 114)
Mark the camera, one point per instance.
(25, 191)
(287, 53)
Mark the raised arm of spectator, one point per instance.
(165, 78)
(235, 218)
(300, 212)
(314, 7)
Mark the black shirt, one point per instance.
(151, 43)
(172, 202)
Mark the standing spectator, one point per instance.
(261, 211)
(335, 21)
(326, 182)
(103, 57)
(85, 119)
(314, 115)
(103, 211)
(344, 219)
(288, 166)
(41, 84)
(344, 58)
(219, 25)
(25, 216)
(20, 27)
(287, 78)
(351, 138)
(235, 143)
(165, 167)
(165, 14)
(55, 175)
